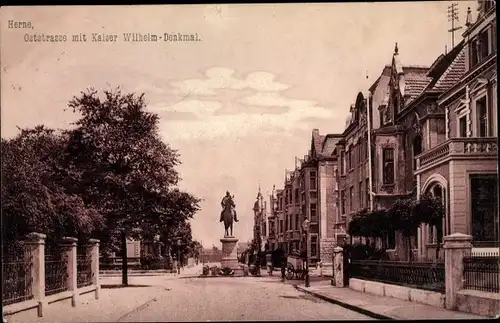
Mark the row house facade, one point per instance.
(310, 191)
(461, 163)
(417, 130)
(432, 131)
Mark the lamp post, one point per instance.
(305, 226)
(178, 256)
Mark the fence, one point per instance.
(481, 272)
(17, 285)
(84, 266)
(35, 276)
(427, 275)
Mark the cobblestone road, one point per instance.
(223, 299)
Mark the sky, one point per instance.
(238, 104)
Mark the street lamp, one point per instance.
(305, 226)
(178, 256)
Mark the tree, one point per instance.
(118, 164)
(429, 210)
(196, 249)
(402, 214)
(34, 195)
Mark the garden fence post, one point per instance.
(338, 267)
(456, 246)
(94, 252)
(69, 245)
(36, 245)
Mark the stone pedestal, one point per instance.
(326, 246)
(338, 267)
(230, 255)
(456, 246)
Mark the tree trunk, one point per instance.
(410, 253)
(124, 259)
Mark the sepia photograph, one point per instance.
(250, 162)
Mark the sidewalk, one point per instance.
(381, 307)
(112, 306)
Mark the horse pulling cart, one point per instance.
(295, 267)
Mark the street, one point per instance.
(185, 298)
(234, 299)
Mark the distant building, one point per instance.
(260, 221)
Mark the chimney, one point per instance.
(468, 19)
(315, 132)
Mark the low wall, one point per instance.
(419, 296)
(479, 303)
(29, 310)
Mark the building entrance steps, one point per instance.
(381, 307)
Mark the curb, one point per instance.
(346, 305)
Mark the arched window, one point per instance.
(436, 233)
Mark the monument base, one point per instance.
(230, 255)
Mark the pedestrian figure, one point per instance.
(283, 268)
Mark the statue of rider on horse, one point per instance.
(228, 214)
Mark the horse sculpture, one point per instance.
(228, 216)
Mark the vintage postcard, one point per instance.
(232, 162)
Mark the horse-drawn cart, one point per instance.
(295, 267)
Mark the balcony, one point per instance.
(458, 148)
(296, 235)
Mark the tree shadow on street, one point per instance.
(112, 286)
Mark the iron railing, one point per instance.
(17, 278)
(56, 272)
(427, 275)
(481, 272)
(84, 267)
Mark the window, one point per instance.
(417, 150)
(482, 115)
(360, 195)
(314, 215)
(484, 41)
(351, 198)
(462, 126)
(479, 48)
(297, 223)
(314, 246)
(383, 119)
(367, 186)
(487, 5)
(312, 180)
(363, 149)
(388, 164)
(391, 239)
(342, 202)
(435, 233)
(494, 36)
(473, 53)
(264, 229)
(349, 156)
(484, 209)
(296, 197)
(286, 222)
(281, 226)
(342, 162)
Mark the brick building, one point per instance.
(433, 131)
(460, 163)
(309, 192)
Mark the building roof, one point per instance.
(415, 81)
(452, 74)
(317, 140)
(329, 145)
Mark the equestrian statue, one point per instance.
(228, 214)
